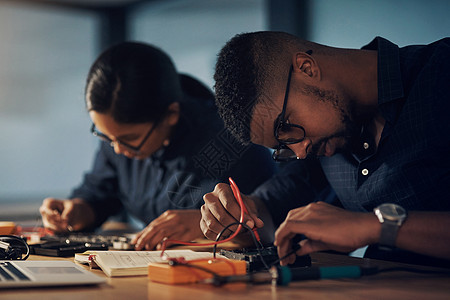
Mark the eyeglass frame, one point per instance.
(134, 149)
(280, 122)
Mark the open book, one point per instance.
(134, 263)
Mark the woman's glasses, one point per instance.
(132, 149)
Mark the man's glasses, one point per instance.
(132, 149)
(286, 133)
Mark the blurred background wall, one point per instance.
(46, 48)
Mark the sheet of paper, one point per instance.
(127, 259)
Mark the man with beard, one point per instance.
(375, 119)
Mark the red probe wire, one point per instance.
(237, 195)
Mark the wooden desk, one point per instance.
(392, 285)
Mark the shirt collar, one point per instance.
(390, 85)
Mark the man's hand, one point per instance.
(221, 209)
(63, 215)
(326, 227)
(182, 224)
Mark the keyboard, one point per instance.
(8, 272)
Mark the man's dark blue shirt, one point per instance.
(411, 166)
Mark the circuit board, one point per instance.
(69, 244)
(258, 260)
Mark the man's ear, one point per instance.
(305, 64)
(173, 113)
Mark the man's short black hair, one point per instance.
(235, 86)
(247, 67)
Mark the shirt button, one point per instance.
(365, 172)
(366, 146)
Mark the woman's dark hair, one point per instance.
(134, 82)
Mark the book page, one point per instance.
(135, 259)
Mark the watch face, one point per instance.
(392, 211)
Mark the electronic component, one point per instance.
(190, 272)
(69, 244)
(66, 248)
(256, 259)
(122, 242)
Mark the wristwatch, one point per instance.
(391, 217)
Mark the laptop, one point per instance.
(15, 274)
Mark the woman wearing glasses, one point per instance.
(163, 147)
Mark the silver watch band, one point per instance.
(389, 230)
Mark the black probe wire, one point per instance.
(295, 248)
(218, 279)
(252, 234)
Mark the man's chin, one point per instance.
(133, 156)
(140, 157)
(330, 146)
(318, 149)
(329, 149)
(343, 147)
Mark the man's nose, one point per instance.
(121, 149)
(300, 149)
(118, 149)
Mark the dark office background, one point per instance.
(46, 49)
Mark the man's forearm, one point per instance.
(426, 233)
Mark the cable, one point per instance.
(253, 232)
(295, 248)
(220, 235)
(238, 197)
(11, 247)
(257, 243)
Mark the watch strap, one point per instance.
(389, 230)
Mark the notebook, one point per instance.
(135, 263)
(15, 274)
